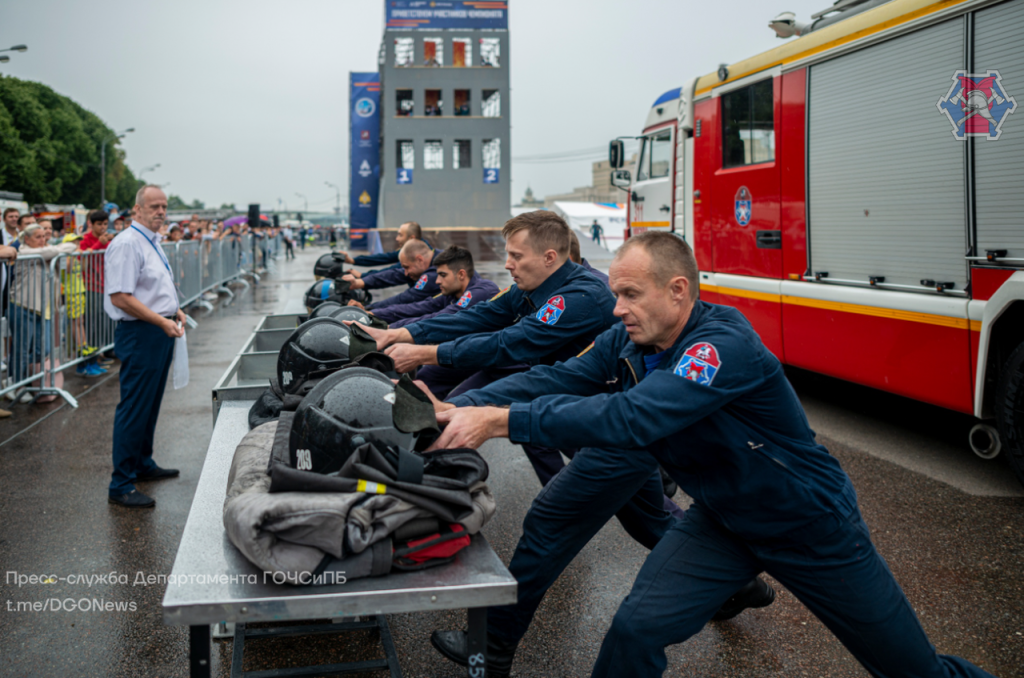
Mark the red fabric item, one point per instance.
(92, 266)
(445, 549)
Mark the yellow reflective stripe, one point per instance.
(648, 224)
(584, 351)
(371, 487)
(911, 316)
(859, 309)
(500, 293)
(746, 294)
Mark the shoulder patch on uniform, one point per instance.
(464, 300)
(551, 311)
(422, 282)
(699, 363)
(500, 293)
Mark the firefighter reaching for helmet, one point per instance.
(688, 385)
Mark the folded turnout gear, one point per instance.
(362, 520)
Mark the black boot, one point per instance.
(757, 593)
(454, 645)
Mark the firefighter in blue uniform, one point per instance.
(552, 312)
(461, 288)
(690, 385)
(417, 271)
(410, 230)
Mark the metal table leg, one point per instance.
(476, 631)
(199, 651)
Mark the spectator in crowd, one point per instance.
(175, 233)
(96, 239)
(11, 229)
(30, 308)
(72, 283)
(289, 244)
(24, 221)
(8, 255)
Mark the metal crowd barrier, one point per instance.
(55, 319)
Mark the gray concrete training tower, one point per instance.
(445, 155)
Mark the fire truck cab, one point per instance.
(854, 193)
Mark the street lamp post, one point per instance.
(304, 201)
(337, 194)
(148, 169)
(103, 163)
(17, 48)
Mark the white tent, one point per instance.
(580, 215)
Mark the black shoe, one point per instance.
(157, 474)
(133, 499)
(757, 593)
(454, 645)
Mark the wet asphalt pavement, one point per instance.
(950, 525)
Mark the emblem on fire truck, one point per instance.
(977, 105)
(744, 203)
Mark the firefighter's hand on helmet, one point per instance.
(439, 406)
(356, 273)
(471, 427)
(386, 338)
(356, 283)
(353, 302)
(347, 256)
(408, 357)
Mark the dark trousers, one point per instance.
(289, 250)
(840, 577)
(448, 382)
(568, 512)
(145, 352)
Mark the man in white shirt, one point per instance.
(139, 293)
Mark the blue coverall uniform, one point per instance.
(399, 315)
(386, 259)
(514, 331)
(601, 275)
(720, 416)
(423, 287)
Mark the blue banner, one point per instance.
(364, 149)
(411, 14)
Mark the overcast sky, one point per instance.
(246, 101)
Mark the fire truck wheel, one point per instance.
(1009, 407)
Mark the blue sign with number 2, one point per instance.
(490, 176)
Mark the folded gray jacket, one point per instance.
(330, 524)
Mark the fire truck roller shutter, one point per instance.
(886, 177)
(999, 163)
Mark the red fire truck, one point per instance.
(854, 192)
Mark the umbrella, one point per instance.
(244, 219)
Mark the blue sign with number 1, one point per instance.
(404, 176)
(491, 176)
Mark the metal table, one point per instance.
(248, 374)
(207, 585)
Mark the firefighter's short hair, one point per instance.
(670, 256)
(547, 231)
(574, 248)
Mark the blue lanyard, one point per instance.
(158, 251)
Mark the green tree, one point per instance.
(50, 149)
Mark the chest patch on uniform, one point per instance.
(699, 363)
(551, 311)
(464, 300)
(422, 282)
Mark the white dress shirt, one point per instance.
(135, 264)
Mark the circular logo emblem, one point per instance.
(365, 108)
(743, 206)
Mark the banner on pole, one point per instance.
(364, 150)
